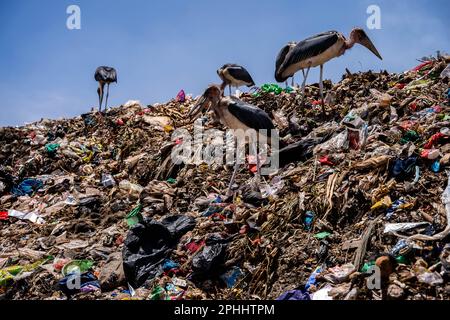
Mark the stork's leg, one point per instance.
(230, 89)
(236, 167)
(107, 95)
(100, 95)
(321, 89)
(292, 82)
(286, 83)
(305, 76)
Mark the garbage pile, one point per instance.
(95, 208)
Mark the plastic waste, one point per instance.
(52, 148)
(322, 294)
(340, 274)
(396, 227)
(108, 180)
(312, 278)
(181, 96)
(135, 216)
(27, 187)
(76, 282)
(430, 154)
(231, 276)
(294, 295)
(148, 244)
(309, 219)
(31, 216)
(77, 266)
(403, 168)
(382, 204)
(436, 166)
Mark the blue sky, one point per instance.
(160, 47)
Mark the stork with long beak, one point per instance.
(235, 75)
(237, 115)
(317, 50)
(281, 57)
(104, 75)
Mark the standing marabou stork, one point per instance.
(104, 75)
(236, 115)
(317, 50)
(281, 57)
(235, 75)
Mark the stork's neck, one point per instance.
(352, 39)
(349, 43)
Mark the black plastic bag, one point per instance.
(209, 261)
(148, 244)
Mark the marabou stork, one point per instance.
(317, 50)
(104, 75)
(237, 115)
(235, 75)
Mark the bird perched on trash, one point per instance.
(236, 115)
(104, 75)
(317, 50)
(235, 75)
(281, 57)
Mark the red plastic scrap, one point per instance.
(353, 138)
(437, 109)
(120, 122)
(400, 86)
(194, 246)
(3, 215)
(407, 125)
(146, 110)
(326, 160)
(433, 140)
(421, 66)
(413, 106)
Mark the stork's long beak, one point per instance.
(197, 108)
(366, 42)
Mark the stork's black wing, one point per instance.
(106, 74)
(251, 116)
(240, 73)
(311, 47)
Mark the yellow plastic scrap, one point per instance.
(384, 203)
(8, 274)
(168, 128)
(406, 206)
(88, 158)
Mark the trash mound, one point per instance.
(94, 208)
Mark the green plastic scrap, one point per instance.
(322, 235)
(411, 135)
(367, 266)
(158, 293)
(80, 266)
(8, 274)
(171, 181)
(402, 260)
(51, 148)
(274, 88)
(134, 217)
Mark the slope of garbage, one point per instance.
(94, 208)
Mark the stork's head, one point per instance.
(358, 35)
(210, 99)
